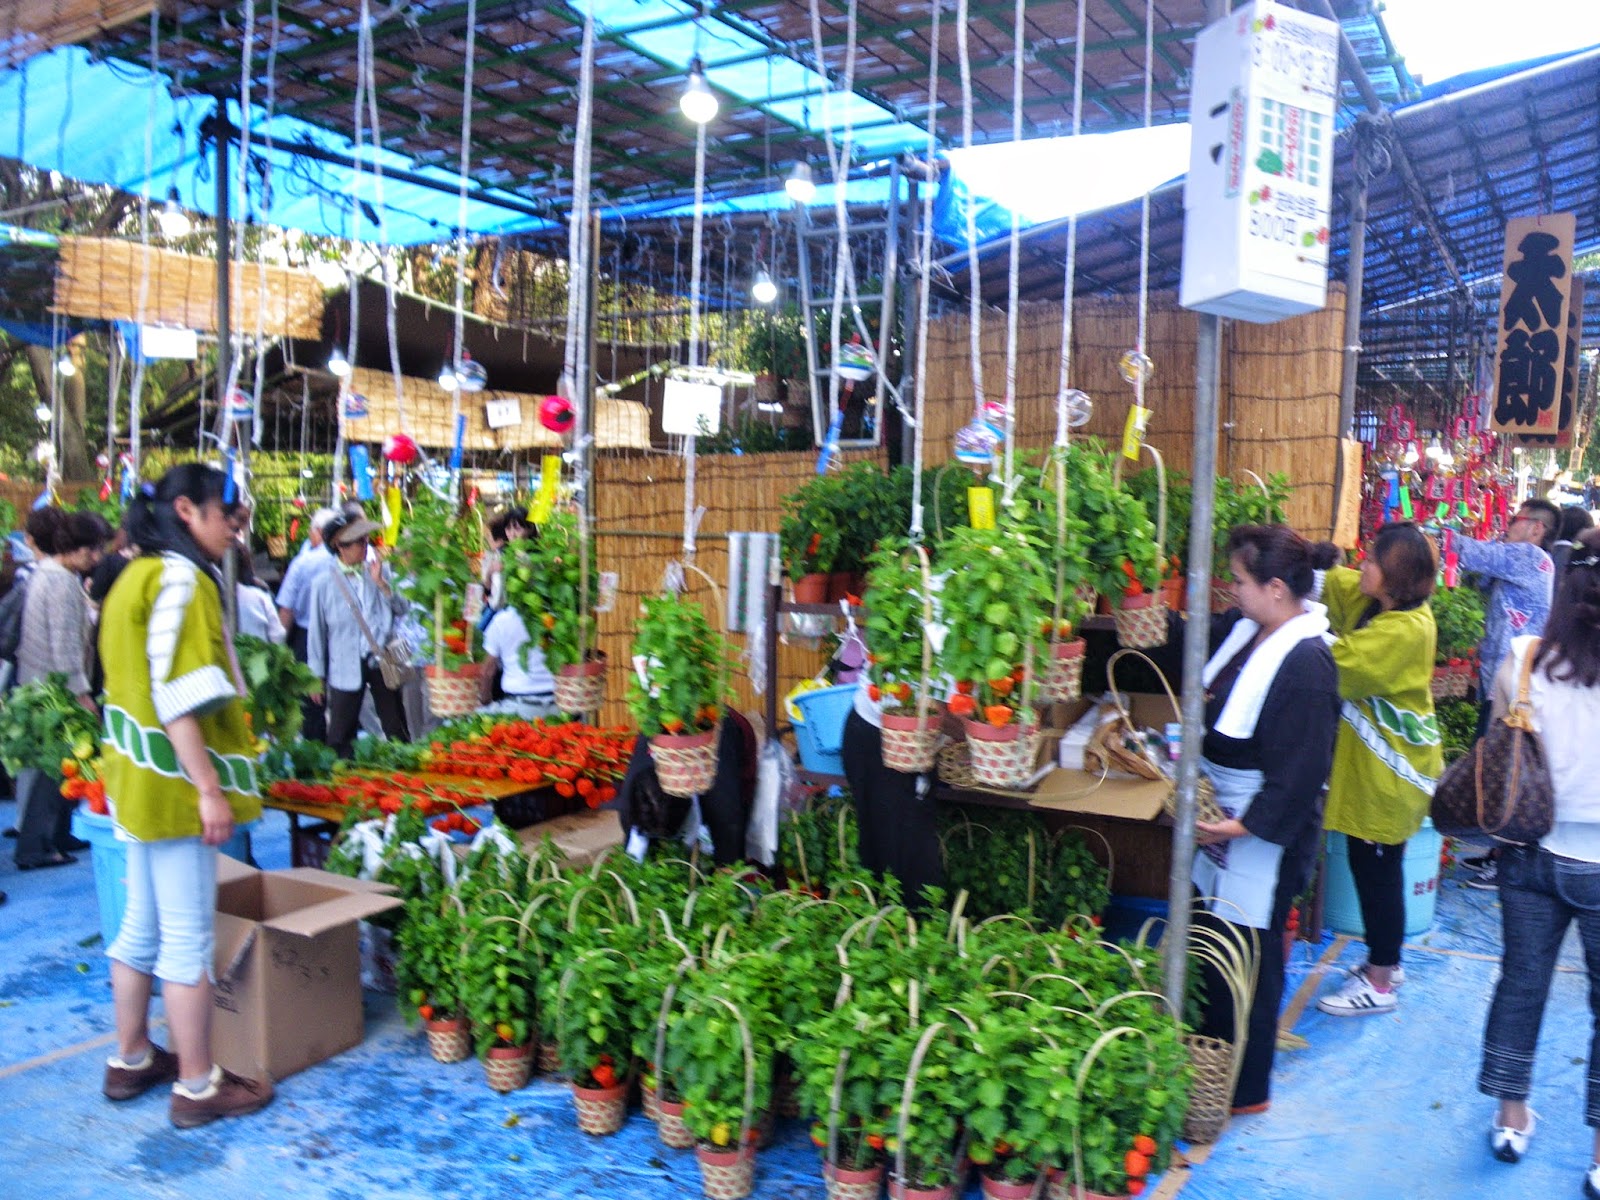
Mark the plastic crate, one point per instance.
(820, 732)
(111, 865)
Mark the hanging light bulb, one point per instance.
(763, 291)
(338, 364)
(66, 366)
(801, 185)
(174, 222)
(447, 378)
(1410, 457)
(471, 375)
(42, 412)
(698, 102)
(1435, 450)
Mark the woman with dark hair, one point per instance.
(1388, 755)
(177, 758)
(55, 640)
(1272, 705)
(1544, 888)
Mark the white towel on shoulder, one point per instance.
(1243, 709)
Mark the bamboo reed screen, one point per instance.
(428, 408)
(100, 278)
(29, 27)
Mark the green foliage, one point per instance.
(686, 663)
(1242, 504)
(1117, 525)
(431, 567)
(756, 434)
(41, 723)
(773, 342)
(8, 516)
(594, 1022)
(1458, 614)
(1009, 863)
(818, 845)
(1458, 727)
(1061, 543)
(895, 625)
(429, 959)
(721, 1041)
(276, 683)
(997, 595)
(497, 979)
(544, 582)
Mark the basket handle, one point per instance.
(1116, 696)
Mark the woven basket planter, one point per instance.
(1063, 679)
(1210, 1087)
(685, 765)
(448, 1041)
(508, 1067)
(1002, 756)
(1141, 621)
(670, 1127)
(453, 693)
(726, 1174)
(549, 1058)
(909, 745)
(580, 688)
(651, 1099)
(1058, 1186)
(277, 546)
(853, 1185)
(1451, 683)
(899, 1191)
(601, 1110)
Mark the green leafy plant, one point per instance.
(1458, 614)
(895, 625)
(1060, 542)
(685, 666)
(42, 725)
(773, 342)
(1245, 503)
(594, 1021)
(997, 595)
(428, 942)
(1119, 536)
(497, 984)
(277, 682)
(544, 583)
(432, 570)
(811, 532)
(1458, 727)
(818, 845)
(724, 1029)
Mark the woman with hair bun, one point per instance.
(178, 762)
(1544, 888)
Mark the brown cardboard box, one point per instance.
(288, 969)
(581, 836)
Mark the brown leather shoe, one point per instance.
(228, 1096)
(123, 1083)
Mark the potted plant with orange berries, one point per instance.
(497, 988)
(594, 1025)
(901, 604)
(1051, 514)
(678, 689)
(548, 583)
(1120, 545)
(995, 601)
(432, 571)
(428, 963)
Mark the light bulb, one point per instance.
(42, 412)
(698, 102)
(338, 364)
(1410, 456)
(763, 291)
(801, 184)
(1435, 450)
(66, 366)
(447, 378)
(174, 222)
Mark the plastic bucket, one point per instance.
(111, 865)
(820, 731)
(1341, 909)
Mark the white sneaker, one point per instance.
(1509, 1145)
(1358, 998)
(1397, 975)
(1591, 1182)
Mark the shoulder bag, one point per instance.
(394, 659)
(1502, 788)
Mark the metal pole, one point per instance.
(1352, 308)
(584, 384)
(225, 429)
(908, 326)
(1196, 638)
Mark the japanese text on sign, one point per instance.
(1534, 294)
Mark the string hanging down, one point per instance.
(925, 267)
(464, 162)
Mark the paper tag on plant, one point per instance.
(641, 668)
(936, 635)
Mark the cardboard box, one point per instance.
(288, 966)
(581, 836)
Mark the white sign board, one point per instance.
(1256, 200)
(163, 341)
(502, 414)
(690, 408)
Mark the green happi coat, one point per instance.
(166, 655)
(1387, 757)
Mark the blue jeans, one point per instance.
(169, 927)
(1540, 895)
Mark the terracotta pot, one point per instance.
(899, 1191)
(844, 1184)
(508, 1067)
(811, 589)
(840, 584)
(580, 687)
(670, 1127)
(601, 1110)
(448, 1041)
(910, 745)
(726, 1174)
(1004, 1189)
(685, 765)
(1175, 593)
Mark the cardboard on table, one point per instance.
(288, 967)
(581, 836)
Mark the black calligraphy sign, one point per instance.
(1534, 301)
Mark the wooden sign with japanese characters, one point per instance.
(1533, 325)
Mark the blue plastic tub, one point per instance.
(1342, 910)
(820, 732)
(111, 865)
